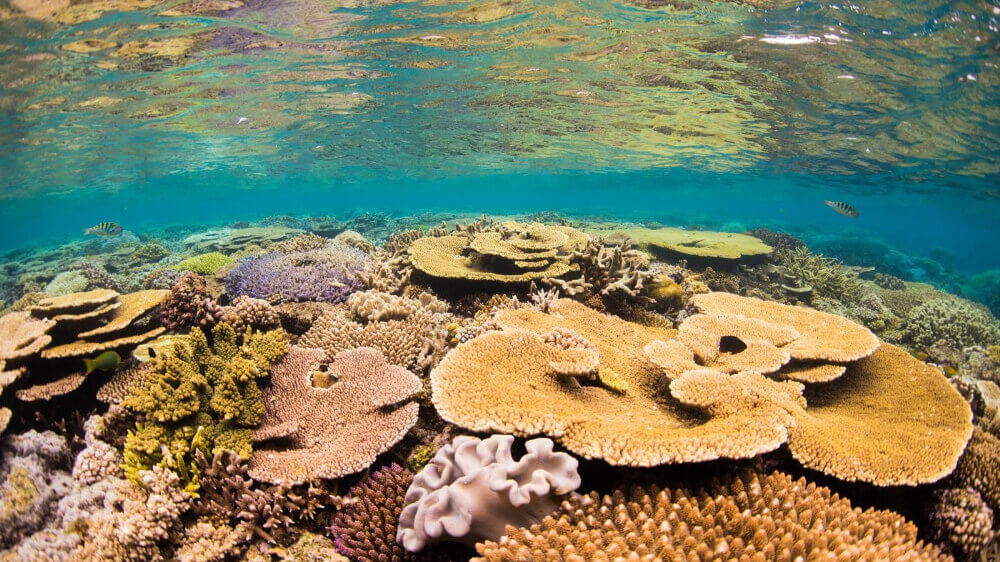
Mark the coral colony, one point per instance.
(494, 390)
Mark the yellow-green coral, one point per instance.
(205, 264)
(203, 396)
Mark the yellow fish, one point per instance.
(107, 361)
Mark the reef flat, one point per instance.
(528, 387)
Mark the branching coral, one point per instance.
(957, 322)
(978, 467)
(472, 489)
(416, 342)
(365, 529)
(324, 274)
(959, 517)
(337, 418)
(824, 275)
(745, 517)
(190, 304)
(200, 397)
(247, 312)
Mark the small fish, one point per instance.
(845, 209)
(242, 120)
(104, 229)
(921, 355)
(107, 361)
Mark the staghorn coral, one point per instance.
(339, 421)
(266, 511)
(365, 529)
(825, 275)
(190, 304)
(472, 489)
(745, 517)
(957, 322)
(200, 397)
(205, 264)
(415, 342)
(324, 274)
(960, 518)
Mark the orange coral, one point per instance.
(747, 517)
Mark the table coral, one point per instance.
(749, 516)
(323, 274)
(472, 489)
(698, 244)
(340, 428)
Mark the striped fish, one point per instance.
(845, 209)
(104, 229)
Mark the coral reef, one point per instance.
(473, 489)
(332, 419)
(824, 275)
(205, 264)
(748, 516)
(701, 246)
(324, 274)
(34, 477)
(956, 322)
(365, 529)
(200, 397)
(959, 517)
(190, 304)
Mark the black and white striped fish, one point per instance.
(104, 229)
(845, 209)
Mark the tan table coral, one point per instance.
(335, 429)
(510, 253)
(716, 389)
(697, 245)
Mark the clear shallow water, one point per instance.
(712, 113)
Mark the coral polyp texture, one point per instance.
(745, 517)
(474, 488)
(365, 528)
(322, 274)
(336, 415)
(677, 409)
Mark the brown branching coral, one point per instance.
(415, 342)
(826, 276)
(746, 517)
(959, 517)
(978, 467)
(341, 427)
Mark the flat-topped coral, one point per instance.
(866, 424)
(509, 253)
(227, 241)
(697, 245)
(201, 397)
(131, 307)
(472, 489)
(339, 416)
(746, 517)
(22, 336)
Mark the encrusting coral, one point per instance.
(201, 397)
(33, 478)
(745, 517)
(335, 418)
(472, 489)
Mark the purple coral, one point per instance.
(365, 529)
(190, 304)
(325, 274)
(472, 489)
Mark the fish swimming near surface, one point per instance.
(104, 229)
(845, 209)
(107, 361)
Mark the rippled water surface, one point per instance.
(682, 111)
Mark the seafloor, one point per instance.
(510, 388)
